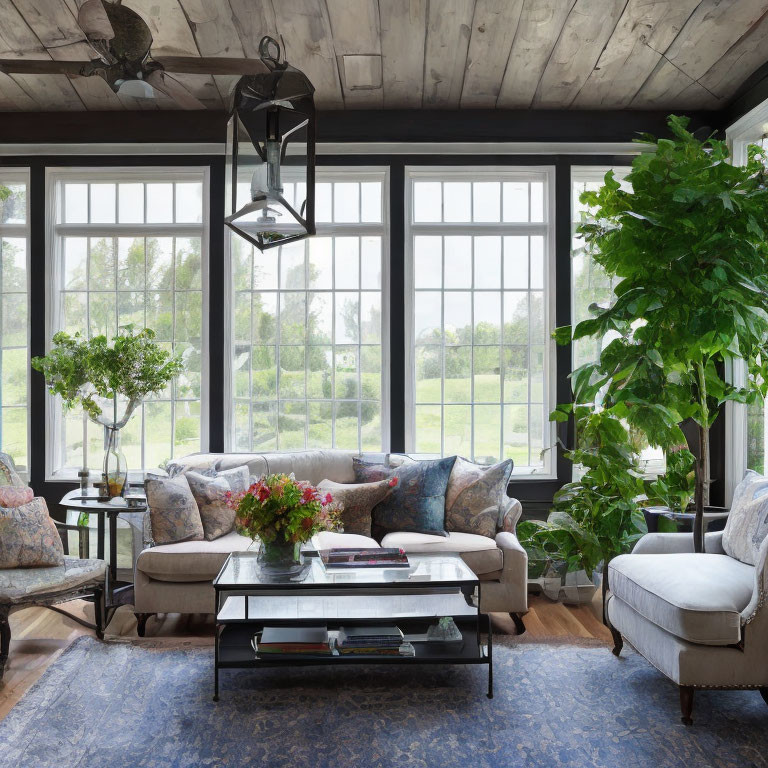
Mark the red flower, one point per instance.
(263, 493)
(328, 499)
(308, 494)
(306, 522)
(392, 482)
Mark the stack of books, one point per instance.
(372, 641)
(292, 641)
(379, 557)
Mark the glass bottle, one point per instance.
(115, 466)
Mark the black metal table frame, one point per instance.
(117, 592)
(482, 623)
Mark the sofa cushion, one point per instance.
(210, 493)
(479, 552)
(747, 523)
(367, 471)
(474, 498)
(173, 511)
(357, 501)
(311, 465)
(190, 560)
(417, 502)
(335, 540)
(697, 597)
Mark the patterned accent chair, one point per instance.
(23, 587)
(700, 619)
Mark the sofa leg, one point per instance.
(5, 637)
(686, 704)
(141, 622)
(763, 692)
(519, 626)
(618, 642)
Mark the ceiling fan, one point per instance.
(121, 42)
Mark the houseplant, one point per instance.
(597, 516)
(283, 513)
(687, 248)
(108, 379)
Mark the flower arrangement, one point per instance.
(279, 509)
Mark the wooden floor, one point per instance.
(39, 636)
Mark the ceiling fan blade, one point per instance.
(49, 67)
(173, 89)
(93, 20)
(211, 65)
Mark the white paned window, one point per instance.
(479, 300)
(309, 338)
(590, 285)
(129, 247)
(14, 323)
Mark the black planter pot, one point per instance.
(714, 518)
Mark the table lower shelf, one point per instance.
(235, 651)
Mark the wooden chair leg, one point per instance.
(5, 636)
(618, 642)
(686, 704)
(519, 625)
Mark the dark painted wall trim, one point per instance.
(341, 126)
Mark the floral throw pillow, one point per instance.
(8, 474)
(210, 494)
(373, 471)
(173, 511)
(11, 496)
(28, 537)
(475, 495)
(357, 501)
(417, 502)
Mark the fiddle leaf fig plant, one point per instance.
(687, 247)
(131, 365)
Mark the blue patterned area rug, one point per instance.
(120, 705)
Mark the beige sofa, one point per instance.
(176, 578)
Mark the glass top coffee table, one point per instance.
(413, 599)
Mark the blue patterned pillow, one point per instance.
(417, 502)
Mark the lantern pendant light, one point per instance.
(271, 154)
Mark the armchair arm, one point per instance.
(509, 513)
(677, 543)
(761, 585)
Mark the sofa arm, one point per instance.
(509, 514)
(515, 558)
(677, 543)
(508, 594)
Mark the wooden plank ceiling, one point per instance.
(504, 54)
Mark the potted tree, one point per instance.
(109, 380)
(687, 247)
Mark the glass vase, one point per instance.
(281, 561)
(115, 470)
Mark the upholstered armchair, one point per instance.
(700, 619)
